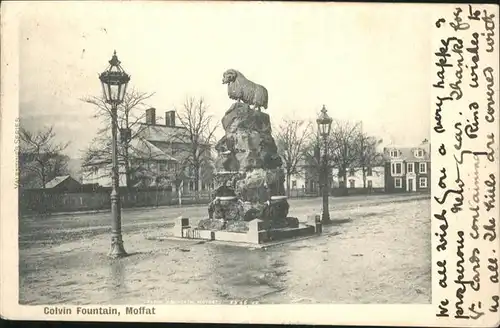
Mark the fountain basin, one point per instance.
(258, 232)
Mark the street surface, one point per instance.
(381, 256)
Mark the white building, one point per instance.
(375, 178)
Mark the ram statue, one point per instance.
(241, 89)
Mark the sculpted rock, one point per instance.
(249, 138)
(252, 211)
(241, 89)
(253, 188)
(237, 226)
(241, 117)
(292, 222)
(212, 224)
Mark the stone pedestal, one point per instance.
(248, 205)
(249, 178)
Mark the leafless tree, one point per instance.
(347, 148)
(196, 136)
(291, 137)
(41, 156)
(131, 113)
(344, 150)
(368, 155)
(314, 152)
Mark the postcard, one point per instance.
(250, 162)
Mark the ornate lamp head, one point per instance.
(114, 82)
(324, 123)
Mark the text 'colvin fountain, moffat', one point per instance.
(249, 203)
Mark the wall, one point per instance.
(299, 182)
(101, 174)
(426, 175)
(390, 180)
(68, 184)
(377, 178)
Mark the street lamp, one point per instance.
(114, 82)
(324, 127)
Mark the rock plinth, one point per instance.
(248, 167)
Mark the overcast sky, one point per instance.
(370, 63)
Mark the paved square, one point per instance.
(382, 255)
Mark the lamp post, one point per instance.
(114, 82)
(324, 127)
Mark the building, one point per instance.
(305, 181)
(63, 183)
(375, 177)
(297, 181)
(407, 169)
(157, 157)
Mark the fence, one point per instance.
(338, 192)
(302, 193)
(51, 201)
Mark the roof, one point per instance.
(408, 153)
(141, 148)
(164, 133)
(58, 180)
(152, 142)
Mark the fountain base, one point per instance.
(253, 232)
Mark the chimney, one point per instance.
(151, 116)
(170, 118)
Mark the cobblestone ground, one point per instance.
(382, 255)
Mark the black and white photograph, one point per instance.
(230, 154)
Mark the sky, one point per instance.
(369, 63)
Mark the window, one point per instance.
(370, 185)
(398, 183)
(422, 167)
(352, 183)
(394, 153)
(422, 182)
(294, 184)
(369, 171)
(396, 168)
(409, 167)
(419, 153)
(351, 172)
(163, 166)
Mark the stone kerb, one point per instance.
(256, 231)
(255, 235)
(181, 223)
